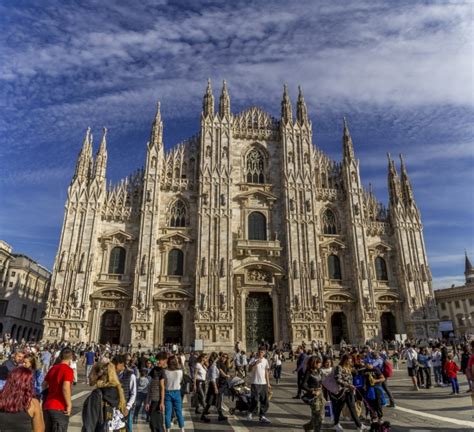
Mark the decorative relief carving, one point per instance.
(255, 275)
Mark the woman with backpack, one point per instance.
(104, 407)
(345, 396)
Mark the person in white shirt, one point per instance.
(412, 364)
(173, 400)
(277, 365)
(200, 373)
(260, 385)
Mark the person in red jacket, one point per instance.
(451, 369)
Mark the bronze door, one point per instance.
(258, 320)
(110, 327)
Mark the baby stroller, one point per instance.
(240, 393)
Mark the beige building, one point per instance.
(456, 304)
(246, 231)
(24, 286)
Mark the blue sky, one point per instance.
(401, 71)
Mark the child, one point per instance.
(395, 360)
(451, 369)
(142, 391)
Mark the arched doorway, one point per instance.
(18, 333)
(12, 332)
(339, 328)
(110, 325)
(173, 328)
(258, 320)
(389, 326)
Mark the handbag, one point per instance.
(308, 398)
(329, 382)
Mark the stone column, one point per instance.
(243, 298)
(276, 315)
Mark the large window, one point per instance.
(117, 261)
(255, 167)
(328, 222)
(175, 262)
(381, 269)
(257, 226)
(178, 214)
(334, 267)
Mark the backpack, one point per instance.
(387, 369)
(111, 419)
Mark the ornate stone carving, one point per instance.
(255, 275)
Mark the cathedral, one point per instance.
(244, 232)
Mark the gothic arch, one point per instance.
(330, 221)
(178, 213)
(255, 164)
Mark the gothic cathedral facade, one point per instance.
(244, 232)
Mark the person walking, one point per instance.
(143, 383)
(155, 401)
(20, 411)
(300, 362)
(277, 365)
(343, 377)
(312, 385)
(412, 364)
(451, 370)
(104, 407)
(173, 403)
(260, 385)
(200, 373)
(58, 382)
(89, 360)
(129, 387)
(213, 396)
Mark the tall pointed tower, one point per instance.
(214, 312)
(414, 276)
(68, 306)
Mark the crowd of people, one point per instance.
(350, 383)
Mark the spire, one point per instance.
(301, 110)
(85, 157)
(101, 157)
(286, 110)
(468, 269)
(224, 102)
(157, 129)
(348, 146)
(208, 101)
(394, 190)
(407, 190)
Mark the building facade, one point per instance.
(456, 305)
(24, 288)
(246, 231)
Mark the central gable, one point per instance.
(254, 123)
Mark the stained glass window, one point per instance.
(329, 222)
(255, 167)
(178, 214)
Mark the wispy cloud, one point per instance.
(401, 72)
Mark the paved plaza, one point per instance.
(426, 410)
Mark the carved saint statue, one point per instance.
(141, 299)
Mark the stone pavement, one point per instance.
(426, 410)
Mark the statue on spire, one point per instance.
(394, 187)
(348, 146)
(208, 101)
(286, 109)
(84, 159)
(407, 190)
(157, 128)
(101, 157)
(301, 110)
(224, 102)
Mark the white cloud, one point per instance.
(448, 281)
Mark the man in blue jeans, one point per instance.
(89, 357)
